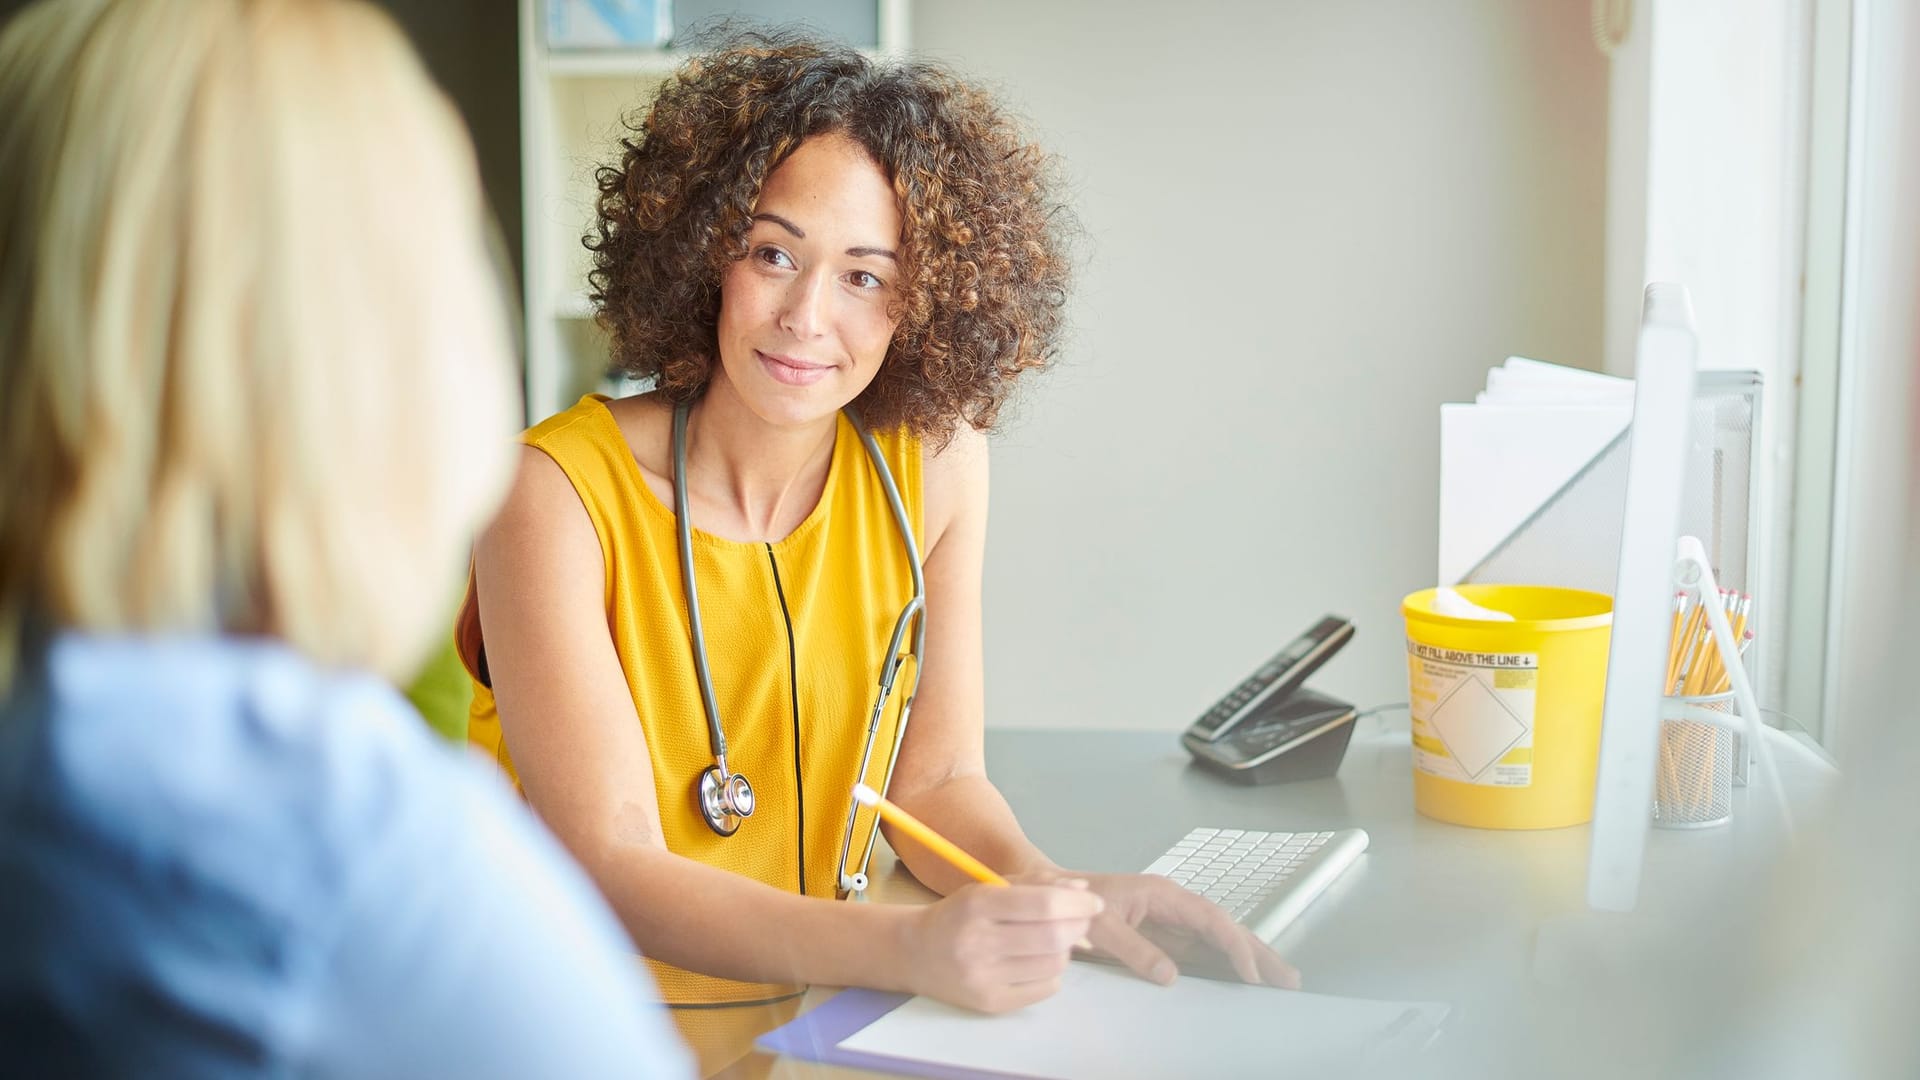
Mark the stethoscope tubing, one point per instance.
(683, 529)
(915, 614)
(721, 811)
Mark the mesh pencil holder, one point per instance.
(1693, 781)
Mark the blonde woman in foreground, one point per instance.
(254, 398)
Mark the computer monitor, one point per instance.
(1665, 365)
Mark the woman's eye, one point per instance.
(773, 256)
(860, 279)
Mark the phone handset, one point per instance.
(1275, 679)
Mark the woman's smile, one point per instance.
(791, 369)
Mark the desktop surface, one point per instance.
(1430, 912)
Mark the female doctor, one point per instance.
(710, 609)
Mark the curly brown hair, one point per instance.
(984, 267)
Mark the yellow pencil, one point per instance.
(929, 839)
(1687, 646)
(1673, 644)
(936, 843)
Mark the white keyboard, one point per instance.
(1264, 879)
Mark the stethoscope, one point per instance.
(724, 796)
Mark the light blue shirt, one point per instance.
(219, 860)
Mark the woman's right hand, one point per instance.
(997, 948)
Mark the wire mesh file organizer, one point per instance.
(1573, 538)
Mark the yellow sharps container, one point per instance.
(1506, 715)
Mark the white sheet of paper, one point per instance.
(1105, 1022)
(1521, 381)
(1500, 463)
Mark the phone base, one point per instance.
(1303, 737)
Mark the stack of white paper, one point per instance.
(1525, 438)
(1521, 381)
(1106, 1022)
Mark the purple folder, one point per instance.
(815, 1035)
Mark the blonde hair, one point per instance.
(254, 372)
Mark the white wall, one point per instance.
(1720, 173)
(1708, 162)
(1309, 224)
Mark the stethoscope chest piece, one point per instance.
(725, 800)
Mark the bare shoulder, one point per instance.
(964, 454)
(955, 480)
(646, 422)
(542, 512)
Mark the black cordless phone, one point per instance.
(1273, 680)
(1270, 727)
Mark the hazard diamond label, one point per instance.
(1473, 714)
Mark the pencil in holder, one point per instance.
(1693, 781)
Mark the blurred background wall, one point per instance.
(1307, 224)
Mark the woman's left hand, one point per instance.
(1152, 925)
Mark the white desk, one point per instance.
(1431, 912)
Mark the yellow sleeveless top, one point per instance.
(795, 633)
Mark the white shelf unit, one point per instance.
(571, 107)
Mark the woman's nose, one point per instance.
(803, 310)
